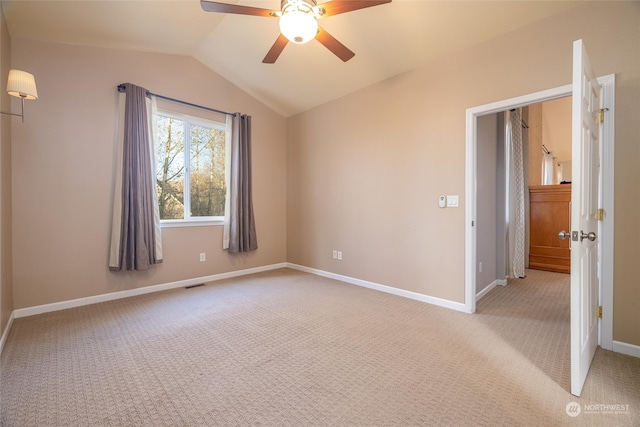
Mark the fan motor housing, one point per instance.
(298, 20)
(301, 5)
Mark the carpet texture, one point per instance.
(286, 348)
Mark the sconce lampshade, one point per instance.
(22, 85)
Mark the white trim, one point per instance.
(198, 121)
(607, 190)
(5, 333)
(193, 222)
(471, 175)
(471, 212)
(628, 349)
(617, 346)
(607, 162)
(497, 282)
(46, 308)
(62, 305)
(382, 288)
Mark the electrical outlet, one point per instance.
(340, 255)
(203, 257)
(335, 254)
(480, 267)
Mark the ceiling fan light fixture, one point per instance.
(298, 26)
(298, 21)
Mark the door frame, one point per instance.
(606, 239)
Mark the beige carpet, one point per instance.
(285, 348)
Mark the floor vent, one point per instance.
(194, 286)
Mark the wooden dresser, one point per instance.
(549, 213)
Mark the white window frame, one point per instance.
(189, 221)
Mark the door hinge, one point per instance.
(599, 312)
(600, 214)
(601, 114)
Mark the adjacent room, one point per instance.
(327, 238)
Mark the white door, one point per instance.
(584, 223)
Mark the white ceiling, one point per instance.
(387, 39)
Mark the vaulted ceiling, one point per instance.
(388, 39)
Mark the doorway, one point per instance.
(471, 166)
(545, 130)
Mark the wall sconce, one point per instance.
(21, 85)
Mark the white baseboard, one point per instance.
(628, 349)
(39, 309)
(383, 288)
(618, 347)
(492, 285)
(5, 333)
(486, 290)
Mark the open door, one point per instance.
(584, 220)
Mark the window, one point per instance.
(190, 170)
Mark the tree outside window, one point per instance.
(190, 168)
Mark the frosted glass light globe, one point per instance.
(299, 27)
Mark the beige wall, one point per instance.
(6, 285)
(556, 127)
(535, 143)
(549, 125)
(487, 209)
(63, 172)
(366, 170)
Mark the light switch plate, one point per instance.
(452, 201)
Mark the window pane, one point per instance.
(207, 183)
(170, 168)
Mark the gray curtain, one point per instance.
(136, 242)
(240, 226)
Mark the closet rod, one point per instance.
(121, 89)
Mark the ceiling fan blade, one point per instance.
(337, 7)
(275, 50)
(212, 6)
(331, 43)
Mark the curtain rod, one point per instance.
(121, 89)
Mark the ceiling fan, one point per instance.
(299, 21)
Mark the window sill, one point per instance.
(190, 223)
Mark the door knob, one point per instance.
(563, 235)
(591, 236)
